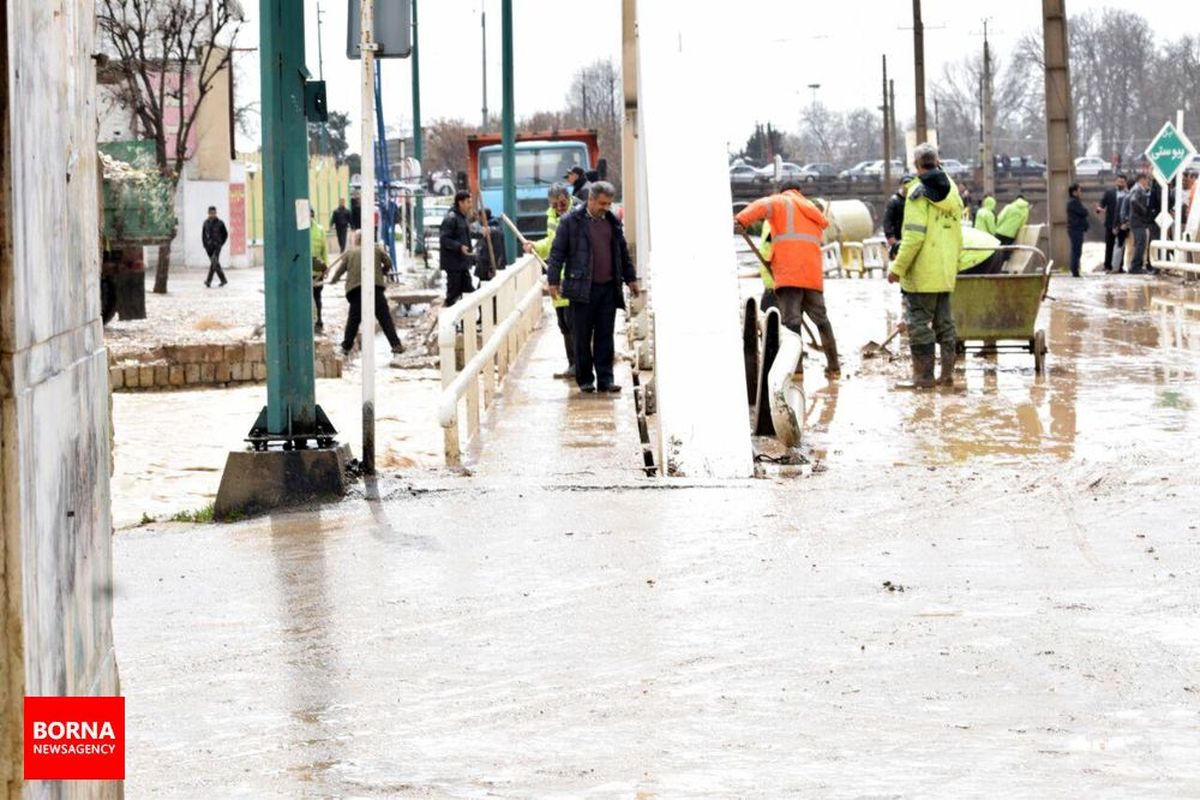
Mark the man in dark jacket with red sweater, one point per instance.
(590, 259)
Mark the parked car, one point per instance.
(743, 174)
(857, 172)
(1024, 167)
(955, 168)
(1092, 165)
(875, 169)
(818, 170)
(788, 170)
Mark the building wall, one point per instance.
(56, 574)
(210, 147)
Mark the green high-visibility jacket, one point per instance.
(1012, 218)
(320, 249)
(542, 248)
(985, 220)
(931, 240)
(973, 237)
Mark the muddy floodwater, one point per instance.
(985, 592)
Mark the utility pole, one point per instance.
(367, 292)
(321, 75)
(919, 71)
(508, 136)
(986, 121)
(417, 226)
(887, 132)
(1058, 125)
(483, 126)
(892, 113)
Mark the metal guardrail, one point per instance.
(1187, 255)
(508, 308)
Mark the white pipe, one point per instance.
(367, 262)
(785, 399)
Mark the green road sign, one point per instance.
(1169, 151)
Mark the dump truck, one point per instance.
(542, 158)
(137, 211)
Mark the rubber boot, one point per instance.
(569, 346)
(922, 366)
(949, 356)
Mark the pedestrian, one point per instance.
(893, 216)
(340, 222)
(978, 253)
(560, 204)
(927, 266)
(576, 178)
(1110, 205)
(455, 248)
(1141, 217)
(214, 235)
(589, 259)
(351, 266)
(1009, 222)
(491, 253)
(1077, 226)
(797, 232)
(1191, 209)
(965, 194)
(985, 220)
(320, 263)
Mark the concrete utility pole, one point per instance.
(629, 128)
(367, 292)
(508, 136)
(416, 242)
(887, 132)
(1058, 126)
(483, 126)
(919, 71)
(892, 113)
(986, 120)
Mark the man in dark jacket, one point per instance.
(1141, 217)
(590, 258)
(340, 222)
(576, 178)
(1110, 205)
(455, 247)
(1077, 225)
(893, 216)
(214, 235)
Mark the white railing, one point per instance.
(509, 307)
(1187, 255)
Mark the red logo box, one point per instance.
(74, 738)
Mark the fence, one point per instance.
(507, 308)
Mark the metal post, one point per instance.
(887, 136)
(508, 136)
(291, 403)
(919, 71)
(483, 126)
(629, 129)
(417, 226)
(367, 292)
(321, 74)
(1058, 125)
(986, 121)
(1177, 228)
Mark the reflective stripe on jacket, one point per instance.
(542, 248)
(797, 234)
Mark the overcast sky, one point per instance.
(775, 50)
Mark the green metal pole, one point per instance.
(418, 224)
(291, 390)
(508, 134)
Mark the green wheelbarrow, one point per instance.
(998, 313)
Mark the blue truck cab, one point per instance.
(539, 164)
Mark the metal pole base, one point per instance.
(256, 481)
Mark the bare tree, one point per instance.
(169, 54)
(596, 100)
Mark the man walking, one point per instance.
(560, 204)
(1141, 217)
(1077, 225)
(340, 222)
(1111, 206)
(589, 259)
(797, 231)
(320, 262)
(214, 235)
(927, 265)
(455, 248)
(351, 266)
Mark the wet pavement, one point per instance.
(992, 587)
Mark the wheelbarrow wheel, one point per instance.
(1039, 352)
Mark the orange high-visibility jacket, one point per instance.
(797, 232)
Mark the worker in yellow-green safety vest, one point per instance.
(560, 204)
(320, 263)
(766, 247)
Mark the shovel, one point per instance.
(812, 340)
(872, 349)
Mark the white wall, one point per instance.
(192, 202)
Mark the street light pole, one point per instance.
(919, 71)
(508, 135)
(814, 87)
(417, 226)
(367, 249)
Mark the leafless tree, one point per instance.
(168, 53)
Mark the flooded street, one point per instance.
(992, 587)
